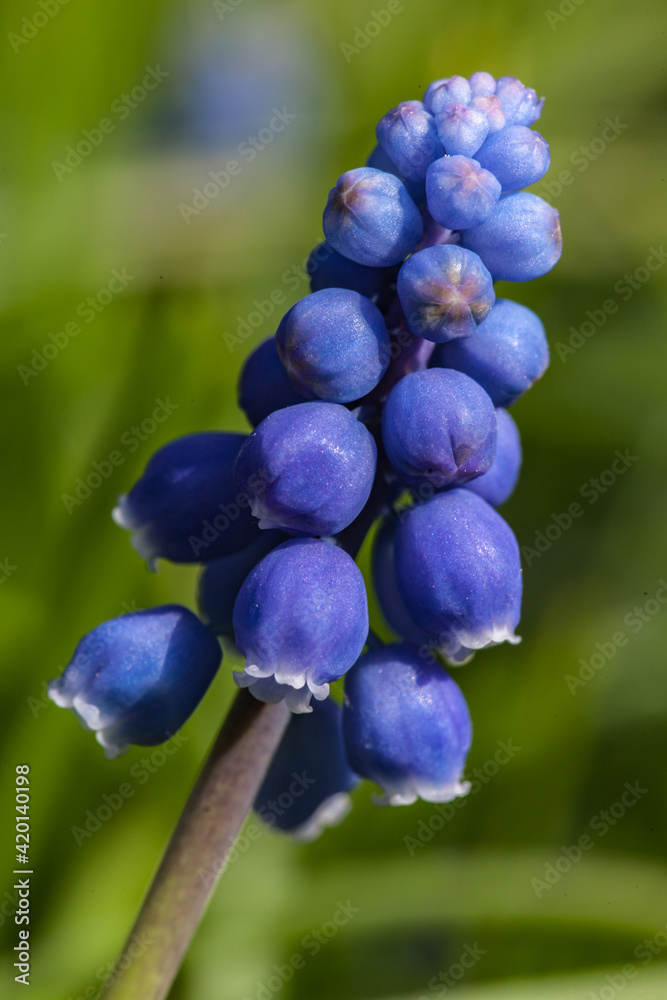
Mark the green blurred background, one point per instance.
(464, 880)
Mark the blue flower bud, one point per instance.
(306, 786)
(445, 291)
(439, 428)
(138, 678)
(329, 269)
(519, 103)
(334, 344)
(506, 354)
(461, 129)
(516, 155)
(264, 385)
(520, 240)
(379, 160)
(492, 111)
(186, 507)
(458, 571)
(388, 595)
(220, 581)
(409, 137)
(460, 193)
(497, 485)
(371, 218)
(301, 621)
(482, 85)
(308, 468)
(451, 89)
(407, 726)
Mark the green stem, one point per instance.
(197, 851)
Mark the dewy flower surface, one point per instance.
(379, 409)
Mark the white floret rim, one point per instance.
(331, 812)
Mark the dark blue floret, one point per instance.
(506, 354)
(371, 218)
(497, 485)
(301, 621)
(308, 469)
(306, 787)
(186, 507)
(407, 726)
(264, 385)
(138, 678)
(334, 344)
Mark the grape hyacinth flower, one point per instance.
(389, 598)
(301, 621)
(307, 468)
(459, 572)
(517, 156)
(460, 193)
(520, 104)
(334, 345)
(221, 580)
(520, 240)
(439, 428)
(445, 292)
(379, 160)
(371, 218)
(264, 385)
(396, 370)
(506, 355)
(186, 507)
(497, 484)
(329, 269)
(407, 726)
(138, 678)
(309, 780)
(409, 137)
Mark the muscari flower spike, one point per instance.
(395, 370)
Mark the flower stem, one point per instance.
(196, 853)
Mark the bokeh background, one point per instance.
(163, 333)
